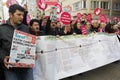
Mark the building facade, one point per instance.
(109, 7)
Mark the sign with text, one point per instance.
(65, 18)
(23, 48)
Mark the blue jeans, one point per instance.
(19, 74)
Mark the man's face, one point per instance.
(53, 24)
(58, 24)
(17, 17)
(35, 26)
(95, 24)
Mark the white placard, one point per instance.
(23, 48)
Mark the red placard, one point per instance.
(108, 20)
(79, 15)
(115, 18)
(97, 11)
(89, 17)
(50, 2)
(28, 19)
(41, 5)
(103, 18)
(59, 8)
(118, 19)
(11, 2)
(65, 18)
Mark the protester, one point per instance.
(16, 13)
(25, 14)
(59, 29)
(109, 28)
(83, 18)
(35, 28)
(94, 26)
(2, 77)
(51, 27)
(68, 30)
(77, 28)
(102, 27)
(88, 27)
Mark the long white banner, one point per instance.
(65, 56)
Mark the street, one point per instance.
(108, 72)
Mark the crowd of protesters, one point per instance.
(43, 26)
(48, 26)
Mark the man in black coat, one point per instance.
(16, 13)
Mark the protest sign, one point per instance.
(59, 8)
(41, 5)
(65, 18)
(22, 53)
(97, 11)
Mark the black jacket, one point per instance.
(6, 35)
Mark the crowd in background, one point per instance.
(48, 26)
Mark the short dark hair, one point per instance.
(34, 20)
(15, 7)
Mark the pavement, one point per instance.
(107, 72)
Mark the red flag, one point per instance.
(84, 31)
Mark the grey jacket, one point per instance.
(6, 35)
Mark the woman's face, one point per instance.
(78, 25)
(88, 25)
(102, 25)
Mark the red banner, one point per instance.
(50, 2)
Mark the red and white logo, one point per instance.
(41, 5)
(97, 11)
(59, 8)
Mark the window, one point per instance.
(94, 4)
(117, 6)
(84, 3)
(76, 6)
(79, 5)
(104, 5)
